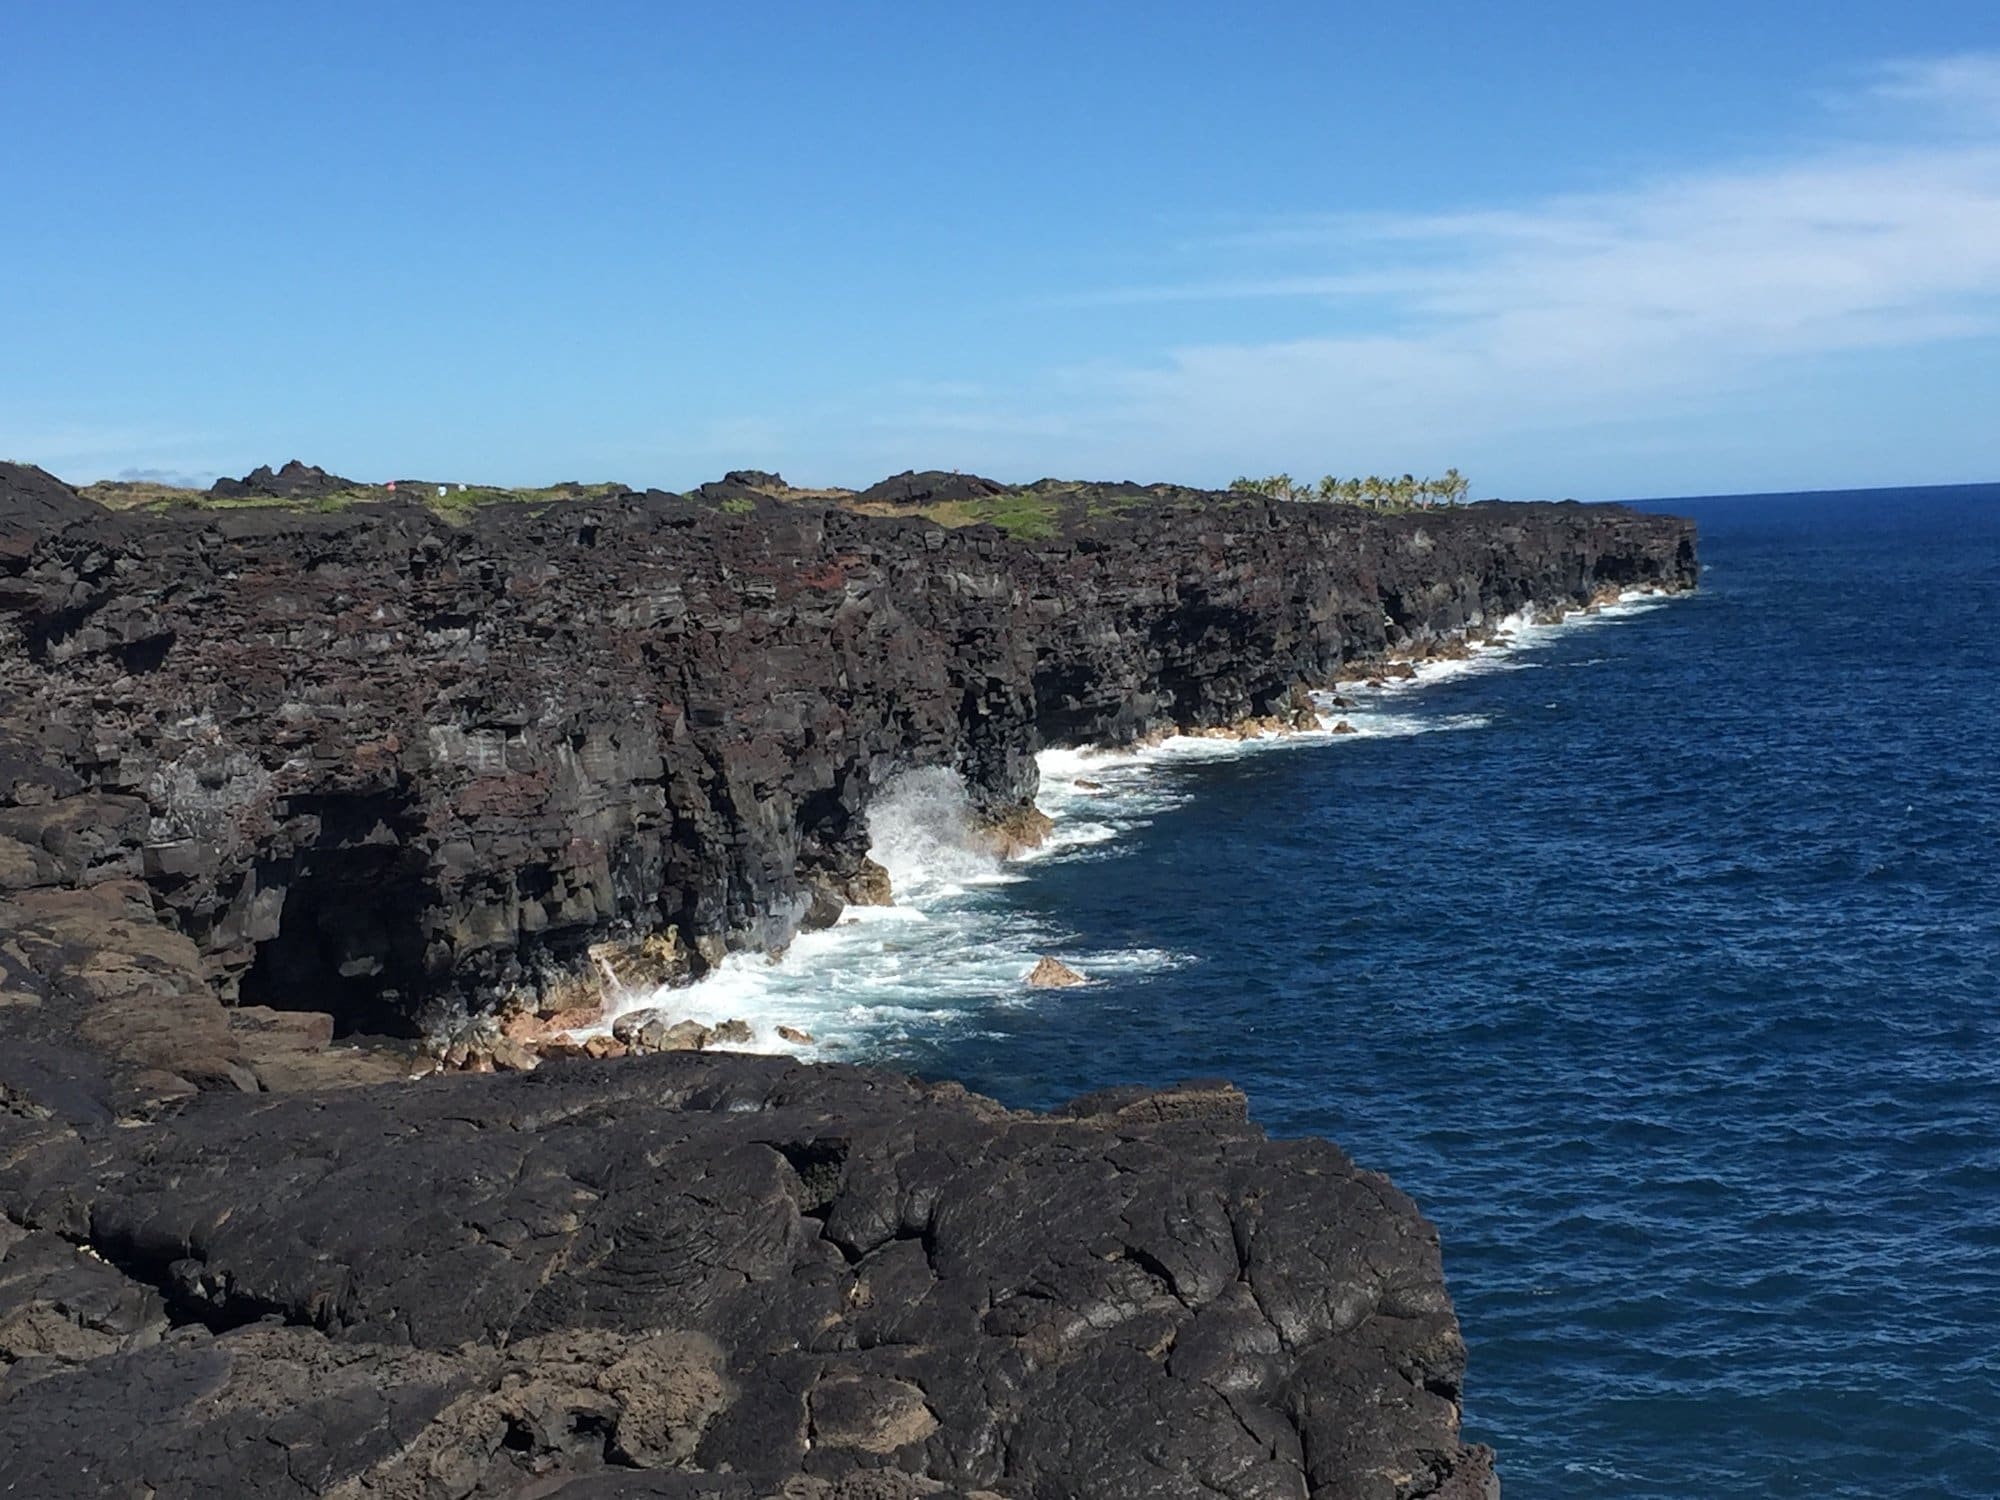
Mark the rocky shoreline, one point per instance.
(272, 781)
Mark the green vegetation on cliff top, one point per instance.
(1039, 511)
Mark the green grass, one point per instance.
(453, 505)
(1040, 512)
(1027, 514)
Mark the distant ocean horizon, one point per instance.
(1657, 956)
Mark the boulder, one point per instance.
(1053, 974)
(657, 1030)
(1012, 833)
(34, 502)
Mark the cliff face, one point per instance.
(370, 761)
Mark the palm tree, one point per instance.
(1456, 485)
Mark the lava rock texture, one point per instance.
(370, 762)
(704, 1275)
(269, 775)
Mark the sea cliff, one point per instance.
(269, 776)
(371, 760)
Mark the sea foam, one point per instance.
(953, 946)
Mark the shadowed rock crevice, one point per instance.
(349, 939)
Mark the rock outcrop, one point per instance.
(1053, 974)
(911, 489)
(694, 1275)
(33, 502)
(373, 763)
(295, 481)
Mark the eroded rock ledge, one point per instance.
(715, 1276)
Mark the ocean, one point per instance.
(1656, 955)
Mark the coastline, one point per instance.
(275, 780)
(838, 987)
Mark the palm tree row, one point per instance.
(1375, 492)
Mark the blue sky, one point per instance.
(1580, 249)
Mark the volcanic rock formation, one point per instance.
(295, 481)
(694, 1275)
(370, 762)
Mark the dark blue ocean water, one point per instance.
(1668, 984)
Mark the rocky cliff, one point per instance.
(266, 775)
(370, 761)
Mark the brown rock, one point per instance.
(631, 1024)
(510, 1056)
(1343, 727)
(793, 1034)
(523, 1026)
(1010, 834)
(868, 1412)
(1053, 974)
(732, 1033)
(870, 886)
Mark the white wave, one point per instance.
(920, 830)
(1366, 724)
(952, 948)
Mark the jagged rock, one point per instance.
(371, 766)
(630, 1026)
(656, 1030)
(796, 1036)
(510, 1056)
(1053, 974)
(1015, 831)
(736, 1274)
(295, 481)
(870, 886)
(33, 502)
(1342, 727)
(931, 487)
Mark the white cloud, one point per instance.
(1577, 311)
(1966, 86)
